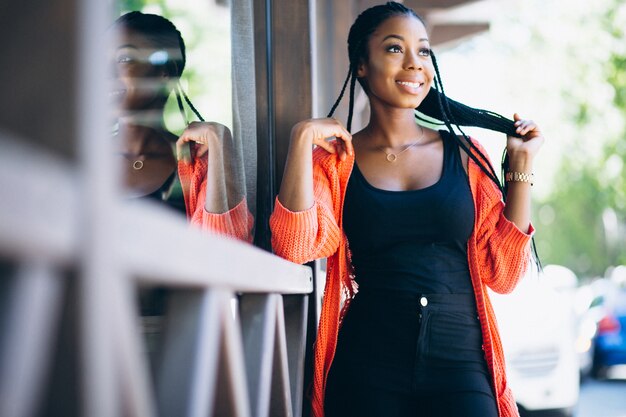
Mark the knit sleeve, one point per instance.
(310, 234)
(236, 222)
(503, 250)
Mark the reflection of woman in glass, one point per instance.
(415, 218)
(207, 180)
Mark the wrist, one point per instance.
(301, 136)
(520, 162)
(519, 177)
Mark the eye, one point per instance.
(124, 59)
(425, 52)
(396, 49)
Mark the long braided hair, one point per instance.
(163, 34)
(436, 108)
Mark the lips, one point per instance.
(411, 87)
(412, 84)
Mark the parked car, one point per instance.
(609, 343)
(538, 329)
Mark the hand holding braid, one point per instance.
(522, 150)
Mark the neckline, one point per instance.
(417, 190)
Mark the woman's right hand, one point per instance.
(318, 131)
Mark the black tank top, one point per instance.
(412, 240)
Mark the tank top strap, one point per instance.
(452, 154)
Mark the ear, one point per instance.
(361, 70)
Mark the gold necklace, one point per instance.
(392, 157)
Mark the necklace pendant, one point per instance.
(137, 165)
(391, 157)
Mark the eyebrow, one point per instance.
(394, 36)
(127, 46)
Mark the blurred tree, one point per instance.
(205, 28)
(583, 220)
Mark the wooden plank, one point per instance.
(258, 327)
(31, 313)
(280, 401)
(149, 234)
(291, 72)
(186, 378)
(39, 221)
(453, 32)
(295, 309)
(436, 4)
(96, 212)
(133, 374)
(232, 394)
(42, 220)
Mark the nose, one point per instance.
(412, 61)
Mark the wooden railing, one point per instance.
(235, 331)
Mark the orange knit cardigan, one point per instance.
(236, 223)
(498, 253)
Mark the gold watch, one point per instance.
(513, 176)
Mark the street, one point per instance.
(605, 398)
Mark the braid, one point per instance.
(343, 90)
(451, 111)
(444, 108)
(351, 103)
(193, 108)
(179, 100)
(436, 108)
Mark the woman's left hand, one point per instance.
(524, 149)
(203, 134)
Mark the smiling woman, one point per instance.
(414, 225)
(197, 173)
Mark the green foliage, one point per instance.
(206, 32)
(582, 222)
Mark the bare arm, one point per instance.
(225, 186)
(522, 152)
(296, 190)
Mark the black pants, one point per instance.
(402, 355)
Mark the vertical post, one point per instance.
(99, 270)
(291, 72)
(266, 187)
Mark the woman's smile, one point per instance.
(411, 87)
(398, 71)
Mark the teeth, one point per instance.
(409, 84)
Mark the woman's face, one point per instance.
(399, 70)
(139, 79)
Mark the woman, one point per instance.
(415, 219)
(199, 172)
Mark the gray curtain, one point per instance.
(244, 92)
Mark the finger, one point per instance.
(182, 150)
(345, 138)
(523, 126)
(528, 126)
(201, 151)
(341, 149)
(328, 146)
(348, 145)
